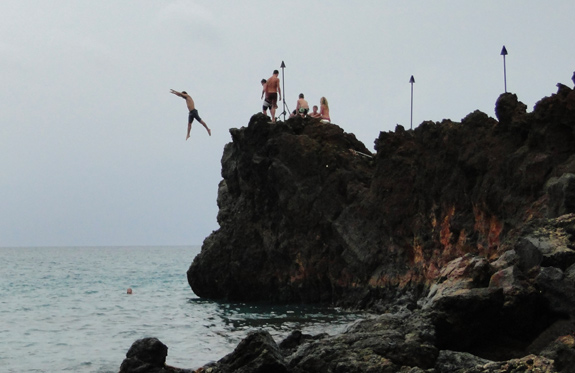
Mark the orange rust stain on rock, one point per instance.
(381, 281)
(451, 248)
(432, 272)
(418, 258)
(395, 281)
(490, 228)
(493, 237)
(410, 277)
(433, 220)
(445, 232)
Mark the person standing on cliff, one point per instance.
(273, 93)
(193, 112)
(266, 103)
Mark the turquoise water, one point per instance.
(66, 309)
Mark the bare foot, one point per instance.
(187, 137)
(209, 132)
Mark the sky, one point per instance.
(92, 144)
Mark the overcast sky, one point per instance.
(92, 143)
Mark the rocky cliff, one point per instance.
(306, 216)
(460, 235)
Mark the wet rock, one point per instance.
(258, 352)
(383, 344)
(148, 355)
(295, 339)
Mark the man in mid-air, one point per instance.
(193, 112)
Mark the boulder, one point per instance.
(561, 192)
(148, 355)
(257, 353)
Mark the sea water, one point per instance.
(66, 309)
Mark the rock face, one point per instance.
(285, 188)
(305, 218)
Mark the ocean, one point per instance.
(66, 309)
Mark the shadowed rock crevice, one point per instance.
(492, 330)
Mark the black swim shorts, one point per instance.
(194, 115)
(273, 99)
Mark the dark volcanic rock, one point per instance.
(382, 344)
(303, 218)
(285, 186)
(462, 231)
(148, 355)
(561, 192)
(509, 109)
(257, 353)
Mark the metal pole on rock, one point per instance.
(283, 65)
(411, 81)
(504, 53)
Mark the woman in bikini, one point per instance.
(324, 109)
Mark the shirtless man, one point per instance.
(273, 93)
(193, 112)
(315, 113)
(302, 107)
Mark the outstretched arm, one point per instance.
(176, 93)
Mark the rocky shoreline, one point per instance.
(459, 236)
